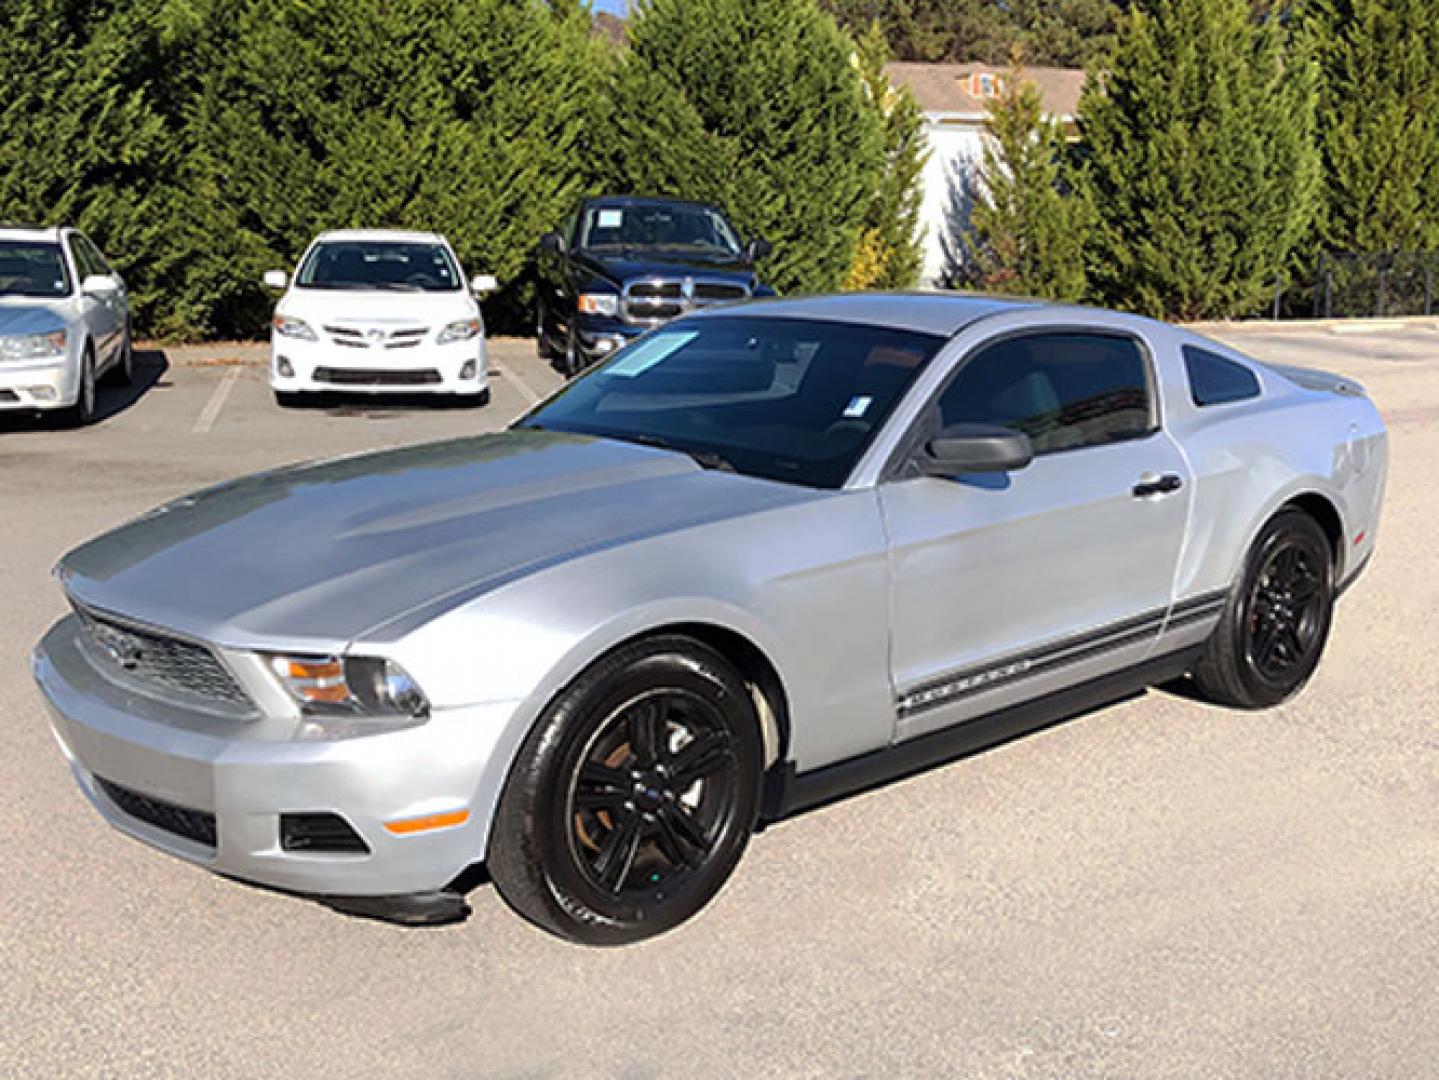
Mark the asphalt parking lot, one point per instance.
(1160, 888)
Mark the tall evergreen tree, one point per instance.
(798, 150)
(890, 252)
(1202, 155)
(1378, 123)
(1030, 223)
(467, 117)
(81, 140)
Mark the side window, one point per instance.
(83, 266)
(1213, 380)
(1063, 390)
(93, 254)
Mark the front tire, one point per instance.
(632, 800)
(82, 413)
(122, 373)
(1277, 620)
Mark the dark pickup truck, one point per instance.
(620, 266)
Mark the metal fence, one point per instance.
(1389, 283)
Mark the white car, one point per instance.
(371, 311)
(64, 323)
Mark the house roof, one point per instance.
(608, 25)
(952, 88)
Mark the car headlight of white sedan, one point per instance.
(289, 327)
(33, 346)
(461, 330)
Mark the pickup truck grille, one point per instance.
(145, 657)
(652, 300)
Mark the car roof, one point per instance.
(940, 313)
(37, 233)
(384, 236)
(644, 200)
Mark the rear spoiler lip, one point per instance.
(1313, 379)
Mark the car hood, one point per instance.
(25, 315)
(622, 268)
(376, 306)
(311, 557)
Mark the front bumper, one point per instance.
(38, 384)
(460, 367)
(246, 777)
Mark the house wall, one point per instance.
(956, 152)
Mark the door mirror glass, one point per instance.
(975, 448)
(484, 283)
(276, 279)
(99, 285)
(553, 242)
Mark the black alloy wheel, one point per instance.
(1273, 631)
(633, 798)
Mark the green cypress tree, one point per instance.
(1378, 123)
(798, 151)
(1030, 223)
(890, 254)
(81, 140)
(466, 117)
(1202, 155)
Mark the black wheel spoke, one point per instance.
(600, 786)
(644, 727)
(1265, 644)
(617, 853)
(700, 757)
(679, 853)
(680, 824)
(1306, 587)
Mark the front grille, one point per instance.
(658, 299)
(376, 377)
(149, 657)
(353, 338)
(193, 825)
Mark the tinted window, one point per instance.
(1062, 390)
(375, 264)
(32, 269)
(690, 229)
(93, 256)
(1214, 380)
(786, 399)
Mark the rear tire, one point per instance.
(542, 342)
(1275, 625)
(633, 798)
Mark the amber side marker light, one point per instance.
(429, 821)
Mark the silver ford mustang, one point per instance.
(763, 556)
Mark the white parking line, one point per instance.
(524, 388)
(211, 412)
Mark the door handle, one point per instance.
(1153, 484)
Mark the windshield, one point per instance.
(32, 269)
(695, 229)
(785, 399)
(373, 264)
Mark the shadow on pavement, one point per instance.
(151, 367)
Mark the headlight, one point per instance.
(351, 686)
(33, 346)
(599, 303)
(294, 328)
(460, 331)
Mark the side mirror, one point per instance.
(276, 279)
(975, 448)
(99, 285)
(553, 242)
(484, 283)
(757, 249)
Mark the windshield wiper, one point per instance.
(705, 459)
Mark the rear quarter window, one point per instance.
(1214, 380)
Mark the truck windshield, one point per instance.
(785, 399)
(372, 264)
(689, 228)
(32, 269)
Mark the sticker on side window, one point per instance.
(645, 354)
(609, 219)
(857, 407)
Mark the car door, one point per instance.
(99, 312)
(1009, 586)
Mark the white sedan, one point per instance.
(64, 323)
(375, 312)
